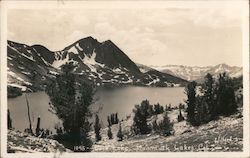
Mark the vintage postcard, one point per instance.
(125, 78)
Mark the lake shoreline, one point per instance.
(119, 100)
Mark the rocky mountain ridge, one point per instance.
(99, 63)
(196, 73)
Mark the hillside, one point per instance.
(98, 63)
(225, 134)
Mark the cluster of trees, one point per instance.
(113, 119)
(97, 128)
(214, 98)
(142, 113)
(119, 134)
(70, 100)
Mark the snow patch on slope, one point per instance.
(73, 50)
(78, 46)
(153, 82)
(58, 63)
(91, 63)
(28, 57)
(23, 88)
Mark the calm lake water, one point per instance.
(121, 100)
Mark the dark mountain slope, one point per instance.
(30, 67)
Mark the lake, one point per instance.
(107, 101)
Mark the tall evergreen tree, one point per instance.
(97, 128)
(226, 103)
(112, 119)
(201, 114)
(116, 118)
(190, 90)
(208, 90)
(71, 100)
(109, 121)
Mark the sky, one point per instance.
(166, 36)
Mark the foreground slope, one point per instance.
(224, 134)
(23, 142)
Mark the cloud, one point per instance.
(149, 36)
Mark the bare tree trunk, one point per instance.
(30, 127)
(38, 126)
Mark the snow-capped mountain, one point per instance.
(197, 73)
(99, 63)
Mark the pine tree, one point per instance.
(97, 128)
(109, 121)
(116, 118)
(208, 89)
(140, 125)
(9, 120)
(226, 103)
(190, 90)
(120, 134)
(180, 117)
(110, 135)
(157, 108)
(165, 126)
(112, 119)
(200, 113)
(71, 99)
(161, 109)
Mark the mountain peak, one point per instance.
(89, 39)
(108, 41)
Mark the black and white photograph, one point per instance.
(125, 78)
